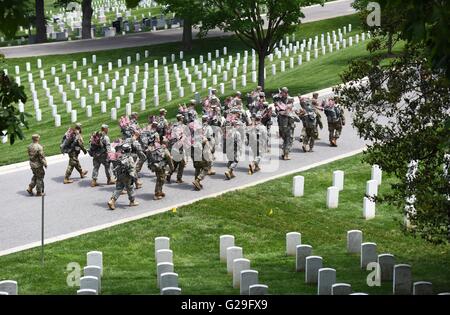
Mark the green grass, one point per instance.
(195, 229)
(316, 74)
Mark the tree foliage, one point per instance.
(403, 108)
(11, 119)
(14, 14)
(245, 19)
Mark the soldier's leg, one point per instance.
(312, 139)
(77, 164)
(338, 130)
(107, 166)
(130, 191)
(197, 169)
(203, 171)
(331, 132)
(120, 186)
(40, 180)
(181, 166)
(33, 180)
(95, 169)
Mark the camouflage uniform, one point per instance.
(147, 137)
(202, 157)
(233, 147)
(74, 152)
(258, 144)
(125, 171)
(100, 157)
(158, 159)
(37, 164)
(177, 147)
(208, 133)
(336, 119)
(308, 115)
(139, 157)
(286, 121)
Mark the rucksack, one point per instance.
(122, 166)
(310, 117)
(95, 144)
(67, 141)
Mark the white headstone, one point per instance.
(302, 251)
(326, 278)
(248, 278)
(368, 209)
(402, 280)
(233, 253)
(95, 258)
(9, 286)
(298, 186)
(292, 240)
(168, 279)
(354, 241)
(312, 266)
(225, 242)
(239, 265)
(332, 197)
(162, 268)
(376, 173)
(368, 254)
(164, 255)
(338, 179)
(341, 289)
(89, 282)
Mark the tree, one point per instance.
(244, 18)
(403, 108)
(14, 14)
(11, 119)
(191, 12)
(41, 30)
(390, 23)
(87, 11)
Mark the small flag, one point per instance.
(270, 212)
(174, 210)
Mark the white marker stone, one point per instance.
(341, 289)
(326, 278)
(9, 286)
(402, 280)
(168, 279)
(292, 240)
(171, 291)
(332, 197)
(89, 282)
(368, 209)
(73, 116)
(86, 292)
(161, 242)
(113, 113)
(376, 173)
(94, 271)
(372, 188)
(258, 289)
(233, 253)
(239, 265)
(313, 264)
(368, 254)
(386, 263)
(338, 179)
(302, 251)
(354, 241)
(298, 186)
(422, 288)
(225, 241)
(248, 278)
(95, 258)
(162, 268)
(164, 255)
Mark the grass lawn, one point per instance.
(314, 75)
(195, 229)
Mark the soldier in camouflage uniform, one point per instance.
(233, 147)
(99, 152)
(162, 123)
(202, 157)
(177, 147)
(74, 151)
(124, 169)
(286, 120)
(307, 114)
(37, 164)
(318, 108)
(336, 119)
(159, 158)
(138, 155)
(258, 143)
(208, 133)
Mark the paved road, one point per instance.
(77, 208)
(313, 13)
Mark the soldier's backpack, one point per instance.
(122, 166)
(333, 113)
(96, 146)
(67, 141)
(155, 157)
(310, 118)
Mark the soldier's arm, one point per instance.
(342, 117)
(169, 160)
(42, 157)
(107, 144)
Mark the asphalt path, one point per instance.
(77, 208)
(312, 13)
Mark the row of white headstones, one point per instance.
(207, 67)
(332, 200)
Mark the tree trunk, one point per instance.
(389, 43)
(86, 7)
(41, 31)
(261, 63)
(187, 33)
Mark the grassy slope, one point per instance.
(194, 231)
(316, 74)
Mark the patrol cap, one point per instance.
(78, 126)
(179, 116)
(284, 89)
(262, 94)
(35, 136)
(205, 117)
(259, 87)
(163, 110)
(105, 126)
(126, 147)
(192, 102)
(238, 93)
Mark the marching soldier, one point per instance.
(159, 158)
(162, 123)
(336, 119)
(177, 147)
(208, 133)
(100, 146)
(125, 172)
(307, 114)
(232, 147)
(202, 158)
(258, 144)
(37, 164)
(318, 108)
(138, 154)
(73, 147)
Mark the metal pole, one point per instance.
(42, 233)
